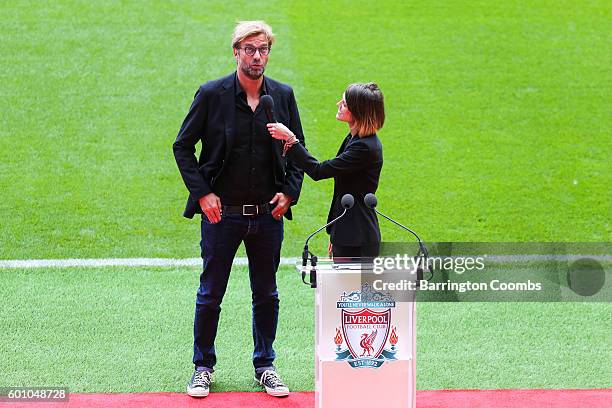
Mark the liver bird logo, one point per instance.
(365, 332)
(366, 343)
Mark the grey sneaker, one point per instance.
(273, 384)
(199, 384)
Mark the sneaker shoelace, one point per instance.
(272, 379)
(201, 378)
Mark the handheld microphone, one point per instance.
(267, 103)
(371, 202)
(347, 203)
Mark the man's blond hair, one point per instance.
(245, 29)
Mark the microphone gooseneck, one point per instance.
(317, 231)
(347, 203)
(371, 201)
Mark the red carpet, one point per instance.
(601, 398)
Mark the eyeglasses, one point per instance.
(250, 51)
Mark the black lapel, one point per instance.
(228, 106)
(344, 144)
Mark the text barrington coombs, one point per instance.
(494, 285)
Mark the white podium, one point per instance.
(365, 341)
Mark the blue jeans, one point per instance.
(262, 236)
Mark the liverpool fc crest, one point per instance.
(366, 324)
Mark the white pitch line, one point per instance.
(169, 262)
(103, 262)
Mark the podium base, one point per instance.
(336, 390)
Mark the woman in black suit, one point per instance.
(355, 169)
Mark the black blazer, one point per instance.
(211, 120)
(356, 170)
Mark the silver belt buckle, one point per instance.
(244, 209)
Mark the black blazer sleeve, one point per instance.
(294, 176)
(354, 158)
(192, 130)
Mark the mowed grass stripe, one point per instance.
(94, 102)
(130, 330)
(496, 125)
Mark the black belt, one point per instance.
(248, 209)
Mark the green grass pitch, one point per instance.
(498, 129)
(129, 330)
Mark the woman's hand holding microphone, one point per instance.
(281, 132)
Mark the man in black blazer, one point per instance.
(243, 186)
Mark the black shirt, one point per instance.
(248, 177)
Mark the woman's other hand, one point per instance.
(279, 131)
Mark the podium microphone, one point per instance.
(347, 203)
(371, 201)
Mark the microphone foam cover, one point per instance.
(267, 102)
(370, 200)
(347, 201)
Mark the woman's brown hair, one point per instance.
(366, 104)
